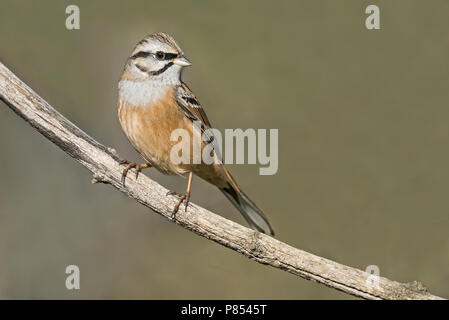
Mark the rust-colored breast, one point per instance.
(149, 129)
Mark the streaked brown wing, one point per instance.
(191, 107)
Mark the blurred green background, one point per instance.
(363, 145)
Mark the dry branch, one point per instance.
(105, 165)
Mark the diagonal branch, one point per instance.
(105, 165)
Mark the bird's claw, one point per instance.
(182, 197)
(134, 165)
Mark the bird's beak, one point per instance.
(182, 61)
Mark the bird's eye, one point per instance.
(160, 55)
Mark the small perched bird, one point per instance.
(153, 101)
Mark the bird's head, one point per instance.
(156, 58)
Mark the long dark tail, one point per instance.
(252, 214)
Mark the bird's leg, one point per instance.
(182, 197)
(138, 167)
(189, 187)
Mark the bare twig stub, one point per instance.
(105, 165)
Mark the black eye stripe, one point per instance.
(145, 54)
(140, 54)
(170, 56)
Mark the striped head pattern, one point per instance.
(156, 58)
